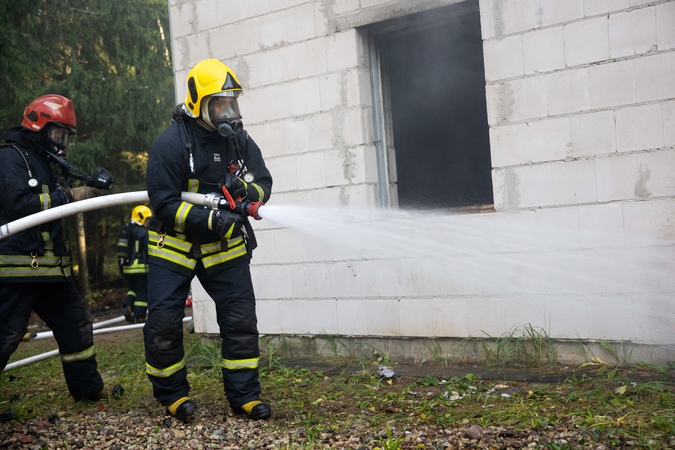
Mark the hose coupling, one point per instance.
(212, 200)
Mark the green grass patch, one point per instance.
(311, 406)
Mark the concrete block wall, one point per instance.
(580, 98)
(581, 108)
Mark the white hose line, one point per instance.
(105, 323)
(90, 204)
(40, 357)
(32, 359)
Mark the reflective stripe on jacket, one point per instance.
(177, 252)
(170, 171)
(12, 266)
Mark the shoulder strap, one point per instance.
(187, 145)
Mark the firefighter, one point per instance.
(132, 256)
(35, 274)
(204, 149)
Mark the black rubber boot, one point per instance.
(183, 411)
(258, 411)
(102, 394)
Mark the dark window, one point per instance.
(433, 82)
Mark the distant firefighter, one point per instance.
(132, 256)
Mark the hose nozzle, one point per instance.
(253, 210)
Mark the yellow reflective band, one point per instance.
(170, 241)
(24, 260)
(236, 364)
(135, 270)
(209, 222)
(155, 372)
(132, 293)
(49, 245)
(181, 216)
(229, 232)
(172, 256)
(45, 202)
(143, 304)
(221, 257)
(138, 246)
(40, 271)
(72, 357)
(123, 242)
(193, 185)
(214, 247)
(261, 193)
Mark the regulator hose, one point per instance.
(70, 209)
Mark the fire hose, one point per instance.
(212, 200)
(97, 330)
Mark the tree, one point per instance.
(112, 58)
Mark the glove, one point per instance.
(235, 186)
(221, 222)
(82, 193)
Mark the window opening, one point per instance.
(430, 113)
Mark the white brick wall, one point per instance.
(543, 50)
(617, 177)
(567, 92)
(654, 77)
(632, 33)
(503, 58)
(586, 41)
(550, 139)
(639, 128)
(595, 7)
(665, 26)
(581, 108)
(593, 134)
(612, 84)
(555, 12)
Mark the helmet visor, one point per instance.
(58, 136)
(222, 108)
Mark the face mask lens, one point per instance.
(58, 136)
(223, 108)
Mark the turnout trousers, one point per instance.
(137, 294)
(65, 313)
(232, 291)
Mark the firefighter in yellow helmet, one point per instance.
(203, 150)
(132, 257)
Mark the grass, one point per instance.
(608, 403)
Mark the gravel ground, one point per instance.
(332, 424)
(96, 428)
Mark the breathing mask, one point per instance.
(55, 139)
(221, 112)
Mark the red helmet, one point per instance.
(49, 108)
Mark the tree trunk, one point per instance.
(83, 266)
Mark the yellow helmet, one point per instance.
(140, 214)
(209, 77)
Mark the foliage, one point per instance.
(113, 60)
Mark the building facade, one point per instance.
(548, 114)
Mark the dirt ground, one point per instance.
(337, 404)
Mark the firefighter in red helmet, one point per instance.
(204, 149)
(35, 273)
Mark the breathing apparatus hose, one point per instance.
(213, 201)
